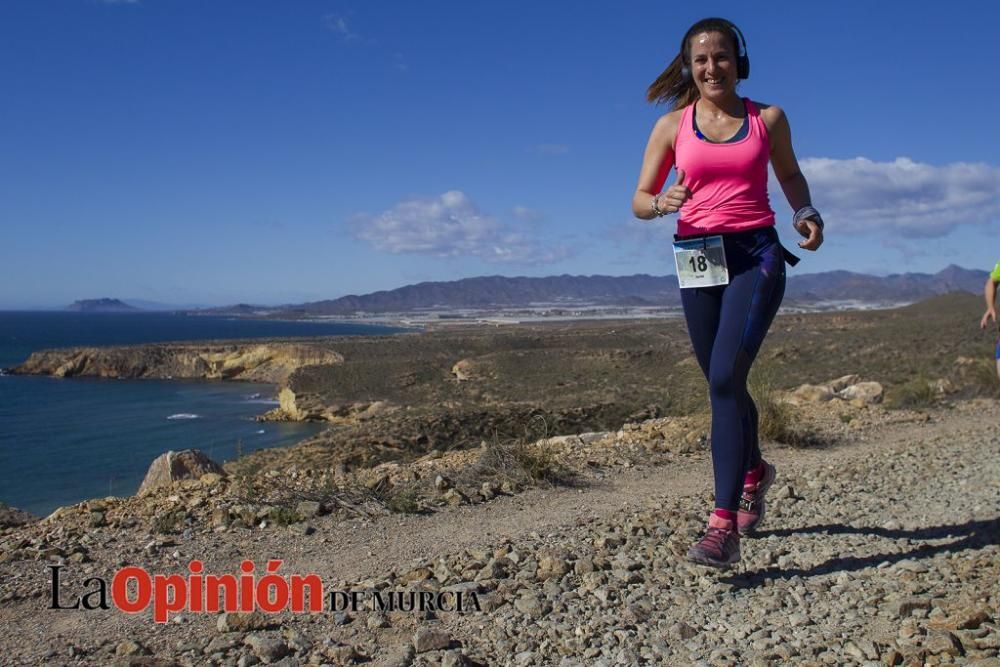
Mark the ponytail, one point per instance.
(671, 88)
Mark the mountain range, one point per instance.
(565, 291)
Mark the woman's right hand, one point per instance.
(813, 233)
(671, 199)
(990, 314)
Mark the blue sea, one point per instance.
(66, 440)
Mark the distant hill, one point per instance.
(102, 306)
(955, 304)
(501, 292)
(898, 287)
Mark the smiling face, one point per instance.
(713, 64)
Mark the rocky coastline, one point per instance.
(270, 362)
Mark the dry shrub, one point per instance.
(392, 498)
(522, 461)
(402, 501)
(979, 378)
(168, 522)
(916, 394)
(351, 497)
(776, 419)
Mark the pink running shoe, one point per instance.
(752, 506)
(720, 547)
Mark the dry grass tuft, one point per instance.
(522, 461)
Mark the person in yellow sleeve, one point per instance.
(990, 294)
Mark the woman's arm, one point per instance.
(786, 169)
(656, 164)
(990, 294)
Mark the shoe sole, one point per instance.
(765, 485)
(711, 562)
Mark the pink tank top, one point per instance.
(728, 182)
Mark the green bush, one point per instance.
(403, 502)
(284, 516)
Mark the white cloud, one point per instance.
(899, 197)
(337, 24)
(451, 226)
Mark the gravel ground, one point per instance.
(882, 549)
(885, 553)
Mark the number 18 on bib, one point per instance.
(701, 262)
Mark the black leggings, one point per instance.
(727, 325)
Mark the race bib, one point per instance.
(701, 262)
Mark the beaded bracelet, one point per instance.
(655, 206)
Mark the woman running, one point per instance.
(990, 294)
(730, 263)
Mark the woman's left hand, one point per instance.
(812, 232)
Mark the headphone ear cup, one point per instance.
(686, 73)
(743, 67)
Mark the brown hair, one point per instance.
(671, 87)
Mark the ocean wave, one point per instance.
(184, 415)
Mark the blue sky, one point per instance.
(270, 152)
